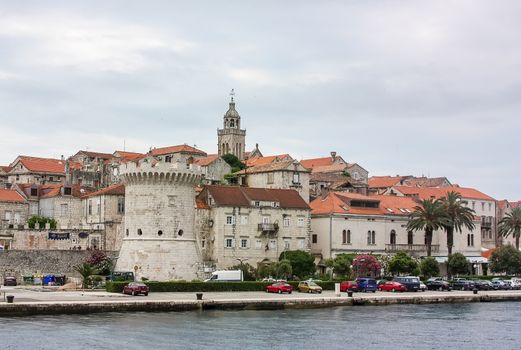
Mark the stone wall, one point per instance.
(30, 262)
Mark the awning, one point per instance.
(471, 259)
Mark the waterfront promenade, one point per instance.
(35, 300)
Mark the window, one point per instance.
(410, 238)
(230, 220)
(244, 243)
(314, 238)
(371, 238)
(34, 192)
(121, 205)
(473, 205)
(16, 217)
(301, 243)
(273, 244)
(489, 206)
(296, 178)
(180, 232)
(64, 208)
(265, 219)
(392, 239)
(286, 244)
(8, 216)
(470, 239)
(228, 242)
(203, 243)
(344, 236)
(168, 159)
(90, 207)
(127, 232)
(139, 232)
(300, 222)
(270, 178)
(67, 191)
(285, 222)
(98, 208)
(258, 244)
(483, 206)
(244, 220)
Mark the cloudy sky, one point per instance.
(400, 87)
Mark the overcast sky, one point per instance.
(400, 87)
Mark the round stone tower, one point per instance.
(159, 241)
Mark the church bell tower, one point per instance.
(231, 138)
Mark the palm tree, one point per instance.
(85, 270)
(430, 216)
(511, 224)
(459, 215)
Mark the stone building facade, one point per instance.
(159, 241)
(63, 204)
(231, 139)
(250, 225)
(34, 170)
(213, 169)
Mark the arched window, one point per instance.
(368, 237)
(393, 237)
(348, 236)
(410, 239)
(373, 236)
(344, 237)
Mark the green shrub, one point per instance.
(172, 286)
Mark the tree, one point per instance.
(86, 271)
(99, 261)
(458, 264)
(430, 216)
(341, 264)
(267, 270)
(506, 259)
(248, 271)
(41, 220)
(459, 217)
(284, 269)
(366, 265)
(302, 263)
(429, 267)
(234, 162)
(511, 224)
(402, 263)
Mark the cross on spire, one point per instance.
(232, 93)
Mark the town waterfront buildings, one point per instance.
(178, 212)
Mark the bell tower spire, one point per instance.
(231, 138)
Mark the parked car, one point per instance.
(411, 282)
(462, 284)
(366, 284)
(135, 288)
(392, 286)
(309, 287)
(10, 281)
(498, 284)
(515, 283)
(279, 287)
(423, 287)
(349, 285)
(483, 285)
(437, 284)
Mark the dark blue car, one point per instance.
(366, 284)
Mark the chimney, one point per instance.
(333, 154)
(62, 158)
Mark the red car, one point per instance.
(135, 288)
(348, 285)
(279, 287)
(392, 286)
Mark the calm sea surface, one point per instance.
(447, 326)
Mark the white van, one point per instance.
(226, 276)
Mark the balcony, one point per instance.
(413, 248)
(268, 228)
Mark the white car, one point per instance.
(515, 283)
(423, 287)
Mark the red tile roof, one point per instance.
(206, 160)
(177, 149)
(11, 196)
(384, 181)
(43, 165)
(243, 196)
(268, 159)
(5, 168)
(318, 162)
(114, 190)
(340, 203)
(128, 155)
(97, 154)
(264, 168)
(433, 192)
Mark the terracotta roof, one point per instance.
(433, 192)
(206, 160)
(177, 149)
(43, 165)
(5, 168)
(97, 154)
(265, 168)
(426, 181)
(243, 196)
(340, 203)
(55, 190)
(318, 162)
(268, 159)
(114, 190)
(128, 155)
(384, 181)
(332, 168)
(11, 196)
